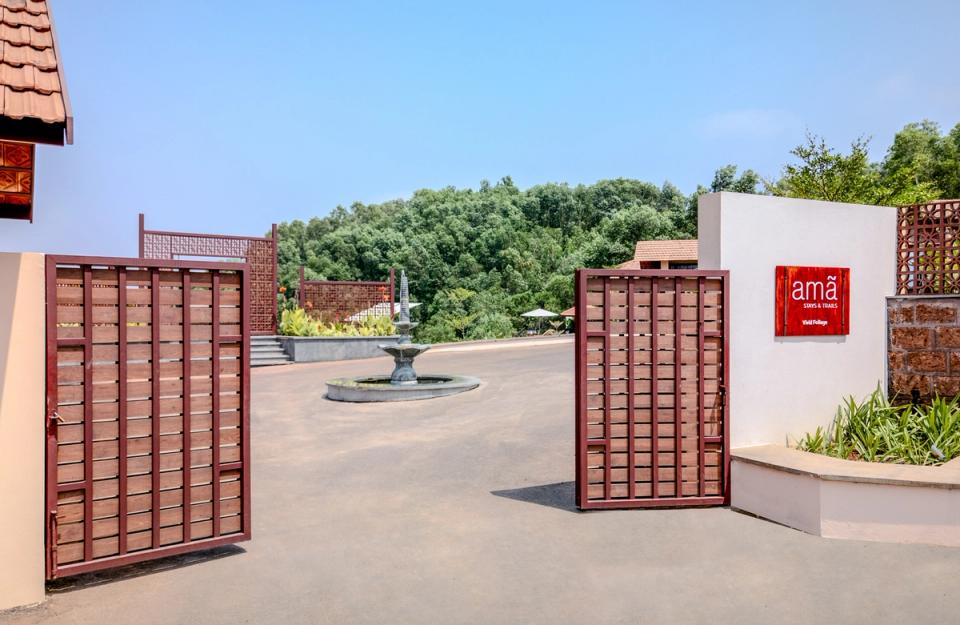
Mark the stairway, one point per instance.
(266, 350)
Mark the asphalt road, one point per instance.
(459, 510)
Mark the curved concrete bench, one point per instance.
(846, 499)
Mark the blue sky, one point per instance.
(227, 116)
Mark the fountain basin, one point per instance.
(379, 388)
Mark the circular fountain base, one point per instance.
(379, 388)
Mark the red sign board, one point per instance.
(812, 301)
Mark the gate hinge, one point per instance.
(53, 543)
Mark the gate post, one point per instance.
(22, 427)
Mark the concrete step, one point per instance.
(256, 349)
(267, 351)
(266, 362)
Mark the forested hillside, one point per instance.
(477, 258)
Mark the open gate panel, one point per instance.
(148, 390)
(652, 371)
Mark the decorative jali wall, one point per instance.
(923, 341)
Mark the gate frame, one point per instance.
(580, 424)
(54, 571)
(142, 232)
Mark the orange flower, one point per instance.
(283, 289)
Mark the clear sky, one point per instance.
(226, 116)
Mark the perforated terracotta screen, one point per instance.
(16, 180)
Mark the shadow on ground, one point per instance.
(560, 495)
(87, 580)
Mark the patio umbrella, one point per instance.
(539, 313)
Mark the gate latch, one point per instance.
(56, 417)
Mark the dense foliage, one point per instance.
(479, 258)
(921, 164)
(876, 431)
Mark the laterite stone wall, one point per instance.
(923, 344)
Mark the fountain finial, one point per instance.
(405, 350)
(404, 325)
(404, 297)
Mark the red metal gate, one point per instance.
(260, 253)
(148, 409)
(652, 372)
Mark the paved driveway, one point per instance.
(459, 510)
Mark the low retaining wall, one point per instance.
(923, 345)
(846, 499)
(323, 348)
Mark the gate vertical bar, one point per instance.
(607, 469)
(50, 427)
(215, 372)
(631, 399)
(677, 388)
(301, 295)
(725, 333)
(155, 406)
(87, 412)
(187, 445)
(276, 244)
(701, 429)
(122, 408)
(580, 383)
(245, 400)
(140, 234)
(654, 396)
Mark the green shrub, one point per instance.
(876, 431)
(296, 322)
(491, 326)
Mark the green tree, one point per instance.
(923, 157)
(823, 173)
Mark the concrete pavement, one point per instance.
(459, 511)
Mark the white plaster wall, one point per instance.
(22, 408)
(783, 387)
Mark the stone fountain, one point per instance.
(404, 351)
(403, 383)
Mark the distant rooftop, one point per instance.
(34, 106)
(678, 250)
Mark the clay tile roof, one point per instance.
(682, 249)
(31, 80)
